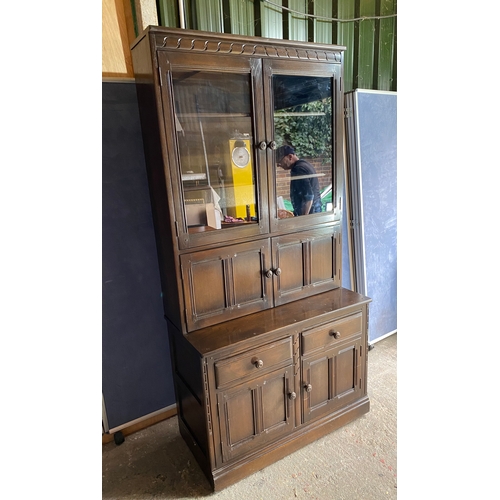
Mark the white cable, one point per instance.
(363, 18)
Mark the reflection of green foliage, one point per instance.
(311, 136)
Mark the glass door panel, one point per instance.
(306, 165)
(303, 135)
(214, 129)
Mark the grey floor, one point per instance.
(356, 462)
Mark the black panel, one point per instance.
(136, 369)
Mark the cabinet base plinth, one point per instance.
(235, 471)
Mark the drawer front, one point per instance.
(253, 362)
(331, 333)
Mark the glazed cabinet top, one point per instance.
(226, 104)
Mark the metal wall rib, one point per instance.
(370, 57)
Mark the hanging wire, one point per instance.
(363, 18)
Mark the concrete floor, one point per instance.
(356, 462)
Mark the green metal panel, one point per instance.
(209, 15)
(168, 13)
(371, 44)
(298, 23)
(322, 27)
(242, 18)
(271, 21)
(364, 45)
(345, 36)
(384, 77)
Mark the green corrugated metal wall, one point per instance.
(370, 58)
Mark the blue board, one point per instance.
(375, 114)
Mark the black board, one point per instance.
(136, 370)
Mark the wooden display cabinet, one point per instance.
(269, 351)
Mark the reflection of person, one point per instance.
(304, 191)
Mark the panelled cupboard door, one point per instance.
(226, 283)
(256, 413)
(214, 124)
(306, 263)
(332, 378)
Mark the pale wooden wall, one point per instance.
(118, 33)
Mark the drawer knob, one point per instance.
(335, 334)
(308, 387)
(262, 145)
(272, 145)
(277, 271)
(292, 395)
(269, 274)
(257, 362)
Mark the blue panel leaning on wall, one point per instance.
(136, 370)
(377, 136)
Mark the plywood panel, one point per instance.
(117, 34)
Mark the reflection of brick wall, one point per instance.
(283, 177)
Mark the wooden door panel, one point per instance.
(274, 405)
(333, 377)
(322, 259)
(345, 371)
(240, 418)
(226, 283)
(255, 413)
(208, 286)
(319, 382)
(308, 263)
(247, 272)
(289, 260)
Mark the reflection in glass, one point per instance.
(303, 121)
(215, 138)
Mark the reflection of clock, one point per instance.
(240, 154)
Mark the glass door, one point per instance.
(305, 166)
(216, 130)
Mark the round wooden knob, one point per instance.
(258, 362)
(335, 334)
(292, 395)
(262, 145)
(308, 387)
(272, 145)
(269, 274)
(277, 271)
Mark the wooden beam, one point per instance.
(126, 431)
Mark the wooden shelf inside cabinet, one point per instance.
(192, 177)
(213, 115)
(200, 229)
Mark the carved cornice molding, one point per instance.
(259, 49)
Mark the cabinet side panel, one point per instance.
(186, 363)
(153, 151)
(190, 393)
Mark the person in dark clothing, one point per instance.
(304, 186)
